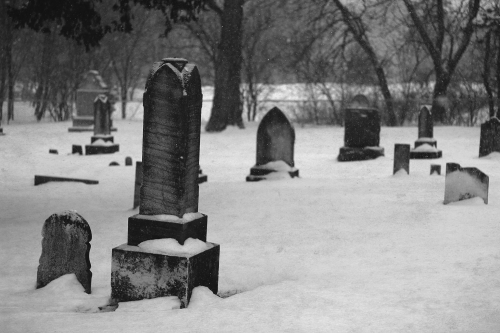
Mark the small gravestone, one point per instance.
(53, 151)
(102, 142)
(45, 179)
(169, 194)
(490, 137)
(202, 177)
(128, 161)
(465, 183)
(436, 169)
(361, 133)
(1, 131)
(76, 149)
(138, 183)
(114, 164)
(426, 145)
(65, 249)
(275, 145)
(401, 158)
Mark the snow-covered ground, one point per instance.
(345, 248)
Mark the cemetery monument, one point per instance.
(362, 132)
(465, 183)
(143, 268)
(490, 137)
(401, 158)
(102, 142)
(426, 145)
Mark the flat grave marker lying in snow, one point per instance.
(361, 133)
(275, 145)
(65, 249)
(45, 179)
(401, 158)
(436, 169)
(114, 163)
(465, 183)
(147, 266)
(490, 137)
(426, 145)
(102, 142)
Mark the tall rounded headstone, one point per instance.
(65, 249)
(426, 145)
(490, 137)
(275, 146)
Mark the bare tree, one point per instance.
(445, 29)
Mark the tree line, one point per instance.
(242, 45)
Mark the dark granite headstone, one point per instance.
(401, 158)
(102, 110)
(168, 187)
(138, 183)
(65, 249)
(425, 123)
(465, 183)
(425, 145)
(128, 161)
(76, 149)
(490, 137)
(275, 143)
(436, 169)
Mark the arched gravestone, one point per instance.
(361, 132)
(426, 145)
(65, 249)
(465, 183)
(490, 137)
(168, 195)
(102, 142)
(275, 144)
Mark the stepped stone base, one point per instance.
(348, 154)
(141, 229)
(420, 155)
(95, 149)
(137, 274)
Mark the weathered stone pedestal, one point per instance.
(101, 149)
(361, 133)
(137, 274)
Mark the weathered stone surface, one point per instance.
(77, 149)
(128, 161)
(490, 137)
(401, 158)
(436, 169)
(275, 139)
(138, 183)
(102, 115)
(465, 183)
(171, 139)
(425, 123)
(136, 274)
(98, 149)
(348, 154)
(362, 128)
(65, 249)
(141, 229)
(359, 101)
(45, 179)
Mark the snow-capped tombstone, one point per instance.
(102, 142)
(65, 249)
(401, 158)
(275, 145)
(168, 215)
(361, 133)
(490, 137)
(425, 145)
(92, 86)
(436, 169)
(465, 183)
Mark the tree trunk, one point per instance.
(486, 74)
(227, 108)
(3, 62)
(498, 69)
(124, 101)
(382, 80)
(440, 99)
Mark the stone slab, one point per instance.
(202, 178)
(258, 174)
(401, 158)
(142, 229)
(465, 183)
(77, 149)
(436, 168)
(421, 155)
(137, 274)
(45, 179)
(490, 137)
(348, 154)
(96, 150)
(362, 128)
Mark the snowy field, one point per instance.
(345, 248)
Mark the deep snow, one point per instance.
(345, 248)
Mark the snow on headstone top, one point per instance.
(465, 183)
(171, 139)
(171, 246)
(65, 249)
(275, 139)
